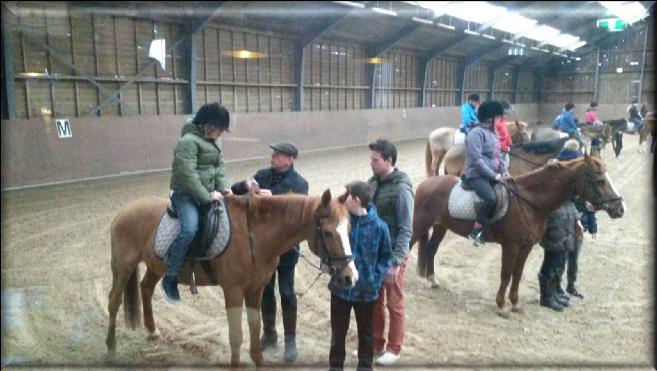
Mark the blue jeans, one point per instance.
(638, 125)
(589, 221)
(188, 216)
(484, 190)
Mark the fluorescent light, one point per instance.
(422, 20)
(447, 26)
(351, 4)
(578, 59)
(619, 69)
(476, 11)
(438, 7)
(491, 37)
(629, 12)
(384, 11)
(469, 32)
(535, 48)
(514, 23)
(542, 33)
(508, 41)
(545, 50)
(576, 46)
(563, 40)
(555, 53)
(521, 45)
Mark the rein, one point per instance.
(516, 193)
(524, 159)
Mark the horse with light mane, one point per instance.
(262, 229)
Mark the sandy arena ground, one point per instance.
(56, 278)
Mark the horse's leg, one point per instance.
(120, 277)
(508, 258)
(521, 258)
(438, 157)
(147, 287)
(432, 248)
(253, 301)
(234, 300)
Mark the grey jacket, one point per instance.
(482, 154)
(561, 232)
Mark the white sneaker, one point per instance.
(388, 359)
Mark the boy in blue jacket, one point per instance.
(372, 252)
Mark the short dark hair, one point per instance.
(474, 97)
(213, 114)
(569, 106)
(362, 190)
(594, 104)
(386, 149)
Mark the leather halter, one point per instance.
(324, 253)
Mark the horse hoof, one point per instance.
(154, 335)
(434, 282)
(518, 310)
(503, 313)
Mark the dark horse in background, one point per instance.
(262, 229)
(533, 196)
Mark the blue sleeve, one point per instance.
(465, 116)
(383, 257)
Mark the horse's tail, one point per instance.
(132, 301)
(428, 160)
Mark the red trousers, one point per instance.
(391, 296)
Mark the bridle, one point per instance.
(602, 201)
(324, 253)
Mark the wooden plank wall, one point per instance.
(578, 84)
(334, 76)
(114, 49)
(503, 88)
(441, 84)
(526, 87)
(476, 80)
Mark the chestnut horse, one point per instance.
(442, 139)
(262, 229)
(533, 196)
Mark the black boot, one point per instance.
(291, 353)
(573, 291)
(269, 336)
(547, 297)
(476, 235)
(560, 293)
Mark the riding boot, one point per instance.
(563, 300)
(573, 291)
(269, 336)
(291, 353)
(290, 325)
(547, 299)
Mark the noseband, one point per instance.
(325, 254)
(601, 202)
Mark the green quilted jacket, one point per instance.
(198, 165)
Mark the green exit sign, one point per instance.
(612, 24)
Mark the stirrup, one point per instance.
(476, 235)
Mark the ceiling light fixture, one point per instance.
(384, 11)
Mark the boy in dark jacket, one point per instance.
(372, 252)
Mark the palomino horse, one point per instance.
(263, 228)
(649, 129)
(442, 139)
(455, 157)
(533, 196)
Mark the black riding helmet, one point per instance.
(214, 115)
(489, 110)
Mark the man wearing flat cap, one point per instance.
(280, 178)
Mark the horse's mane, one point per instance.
(531, 179)
(543, 146)
(286, 207)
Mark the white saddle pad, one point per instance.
(461, 203)
(459, 137)
(169, 228)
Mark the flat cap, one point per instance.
(286, 148)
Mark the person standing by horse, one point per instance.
(561, 241)
(483, 164)
(468, 113)
(280, 178)
(372, 251)
(393, 197)
(503, 135)
(635, 115)
(198, 178)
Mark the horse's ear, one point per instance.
(326, 198)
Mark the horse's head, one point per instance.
(595, 187)
(518, 132)
(331, 241)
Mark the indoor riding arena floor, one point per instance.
(56, 278)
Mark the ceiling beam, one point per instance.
(315, 33)
(382, 47)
